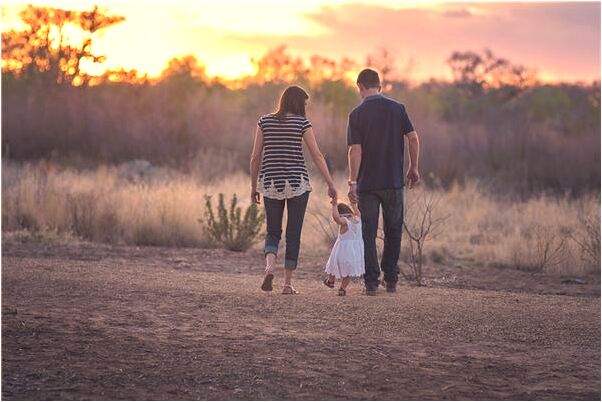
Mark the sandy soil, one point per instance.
(89, 321)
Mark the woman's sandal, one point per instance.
(266, 286)
(342, 292)
(328, 283)
(289, 290)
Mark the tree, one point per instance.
(48, 50)
(184, 73)
(477, 72)
(277, 66)
(385, 63)
(325, 69)
(184, 67)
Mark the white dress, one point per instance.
(347, 255)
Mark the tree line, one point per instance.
(494, 121)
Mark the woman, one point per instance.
(278, 172)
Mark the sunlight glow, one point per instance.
(225, 36)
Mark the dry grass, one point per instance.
(530, 235)
(102, 205)
(114, 205)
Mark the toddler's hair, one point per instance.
(344, 209)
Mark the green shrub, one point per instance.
(226, 228)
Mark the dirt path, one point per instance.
(146, 324)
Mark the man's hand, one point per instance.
(353, 198)
(255, 197)
(412, 177)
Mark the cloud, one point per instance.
(458, 13)
(558, 39)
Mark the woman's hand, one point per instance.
(255, 197)
(332, 191)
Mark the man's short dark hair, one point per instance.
(368, 78)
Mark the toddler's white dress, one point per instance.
(347, 255)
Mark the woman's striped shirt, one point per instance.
(283, 173)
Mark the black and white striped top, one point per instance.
(283, 172)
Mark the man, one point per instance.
(375, 136)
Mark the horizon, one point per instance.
(535, 35)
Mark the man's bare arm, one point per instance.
(413, 175)
(355, 159)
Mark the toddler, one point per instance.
(347, 255)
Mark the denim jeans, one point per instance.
(392, 205)
(295, 210)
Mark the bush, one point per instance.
(226, 227)
(588, 239)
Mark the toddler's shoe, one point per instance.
(328, 283)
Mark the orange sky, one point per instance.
(560, 40)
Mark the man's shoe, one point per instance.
(391, 287)
(371, 291)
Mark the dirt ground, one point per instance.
(84, 321)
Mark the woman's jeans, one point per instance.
(295, 210)
(392, 206)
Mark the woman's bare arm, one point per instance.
(256, 162)
(318, 158)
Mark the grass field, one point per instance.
(137, 204)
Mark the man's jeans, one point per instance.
(369, 205)
(295, 211)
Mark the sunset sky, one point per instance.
(561, 41)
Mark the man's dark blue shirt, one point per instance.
(379, 124)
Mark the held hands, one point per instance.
(412, 177)
(332, 192)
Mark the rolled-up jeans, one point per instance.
(392, 205)
(295, 210)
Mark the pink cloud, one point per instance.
(557, 39)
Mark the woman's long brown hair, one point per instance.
(292, 101)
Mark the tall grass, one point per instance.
(104, 205)
(120, 205)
